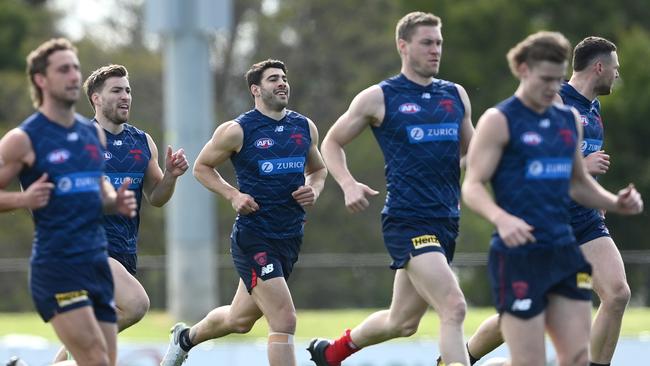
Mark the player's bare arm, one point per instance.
(366, 109)
(16, 152)
(315, 173)
(158, 185)
(483, 157)
(587, 192)
(227, 139)
(466, 127)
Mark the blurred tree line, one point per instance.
(333, 50)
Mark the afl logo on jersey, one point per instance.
(264, 143)
(531, 138)
(409, 108)
(267, 167)
(58, 156)
(584, 119)
(107, 155)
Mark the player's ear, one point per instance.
(255, 90)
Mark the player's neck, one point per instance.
(273, 114)
(415, 77)
(530, 103)
(108, 125)
(584, 85)
(57, 112)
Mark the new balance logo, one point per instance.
(522, 304)
(267, 269)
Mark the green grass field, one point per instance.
(327, 323)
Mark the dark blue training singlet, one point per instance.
(69, 227)
(533, 177)
(269, 167)
(593, 135)
(420, 140)
(127, 156)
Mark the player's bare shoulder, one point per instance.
(369, 105)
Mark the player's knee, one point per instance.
(283, 321)
(407, 329)
(618, 296)
(454, 310)
(133, 312)
(242, 325)
(93, 356)
(578, 357)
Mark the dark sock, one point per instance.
(472, 359)
(184, 340)
(599, 364)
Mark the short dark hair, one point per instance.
(96, 80)
(38, 60)
(540, 46)
(254, 74)
(589, 49)
(409, 23)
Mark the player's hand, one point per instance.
(305, 196)
(514, 231)
(37, 195)
(629, 201)
(355, 196)
(125, 203)
(244, 204)
(176, 163)
(597, 162)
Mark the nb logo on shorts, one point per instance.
(583, 280)
(522, 304)
(267, 269)
(68, 298)
(425, 241)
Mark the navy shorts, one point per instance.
(128, 260)
(264, 258)
(589, 227)
(405, 238)
(522, 278)
(59, 286)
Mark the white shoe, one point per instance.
(175, 355)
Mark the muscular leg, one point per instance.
(525, 339)
(274, 300)
(401, 320)
(131, 299)
(436, 284)
(611, 286)
(568, 323)
(486, 338)
(238, 317)
(91, 343)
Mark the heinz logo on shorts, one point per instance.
(425, 241)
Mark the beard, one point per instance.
(113, 115)
(273, 102)
(65, 98)
(603, 89)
